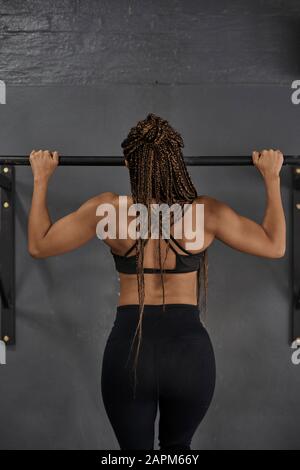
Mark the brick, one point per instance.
(23, 23)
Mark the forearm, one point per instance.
(274, 219)
(39, 220)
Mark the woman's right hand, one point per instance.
(268, 162)
(43, 163)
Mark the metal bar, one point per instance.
(5, 182)
(220, 160)
(3, 294)
(7, 257)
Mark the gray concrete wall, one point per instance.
(79, 75)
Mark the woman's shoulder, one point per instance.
(106, 197)
(213, 209)
(103, 198)
(210, 203)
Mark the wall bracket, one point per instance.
(7, 254)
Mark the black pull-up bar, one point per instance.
(119, 161)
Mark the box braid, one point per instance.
(157, 171)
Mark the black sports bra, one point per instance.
(184, 263)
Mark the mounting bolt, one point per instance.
(6, 339)
(298, 171)
(6, 205)
(5, 170)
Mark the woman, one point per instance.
(158, 353)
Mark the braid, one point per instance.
(157, 171)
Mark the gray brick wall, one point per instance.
(86, 42)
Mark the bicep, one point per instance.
(73, 230)
(67, 234)
(240, 233)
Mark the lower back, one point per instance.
(179, 288)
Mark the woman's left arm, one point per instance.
(68, 233)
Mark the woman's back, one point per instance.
(180, 265)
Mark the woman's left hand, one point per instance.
(43, 163)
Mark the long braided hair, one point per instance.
(157, 171)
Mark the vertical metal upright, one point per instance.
(7, 254)
(295, 258)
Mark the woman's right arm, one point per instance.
(267, 239)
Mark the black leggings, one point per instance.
(175, 372)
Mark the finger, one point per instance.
(55, 156)
(32, 155)
(255, 157)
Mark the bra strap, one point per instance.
(133, 246)
(171, 246)
(179, 246)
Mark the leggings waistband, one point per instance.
(158, 308)
(176, 319)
